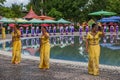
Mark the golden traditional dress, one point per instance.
(44, 52)
(3, 33)
(16, 51)
(94, 53)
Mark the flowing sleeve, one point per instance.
(99, 33)
(19, 33)
(48, 35)
(88, 36)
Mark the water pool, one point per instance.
(71, 48)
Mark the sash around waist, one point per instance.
(93, 44)
(44, 43)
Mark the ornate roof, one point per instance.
(31, 14)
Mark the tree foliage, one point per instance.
(70, 9)
(73, 10)
(114, 5)
(2, 1)
(54, 13)
(11, 12)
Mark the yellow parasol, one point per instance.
(90, 22)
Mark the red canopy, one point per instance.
(25, 25)
(11, 25)
(31, 14)
(104, 24)
(115, 24)
(45, 17)
(45, 25)
(111, 23)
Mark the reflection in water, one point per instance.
(54, 40)
(61, 40)
(80, 39)
(111, 38)
(105, 39)
(26, 42)
(3, 45)
(71, 39)
(73, 48)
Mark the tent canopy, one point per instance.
(6, 20)
(63, 21)
(35, 21)
(105, 13)
(20, 20)
(49, 21)
(45, 17)
(115, 17)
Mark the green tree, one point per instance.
(17, 10)
(11, 12)
(2, 1)
(54, 13)
(36, 5)
(114, 6)
(6, 12)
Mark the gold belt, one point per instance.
(93, 44)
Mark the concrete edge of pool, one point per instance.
(61, 61)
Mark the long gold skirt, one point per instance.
(44, 56)
(16, 52)
(93, 64)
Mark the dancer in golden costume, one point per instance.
(44, 49)
(16, 46)
(93, 48)
(3, 33)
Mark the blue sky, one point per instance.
(9, 2)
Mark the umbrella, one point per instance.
(63, 21)
(11, 25)
(6, 20)
(105, 13)
(20, 20)
(35, 21)
(90, 22)
(115, 17)
(115, 24)
(25, 25)
(45, 17)
(107, 20)
(49, 21)
(104, 24)
(111, 23)
(45, 25)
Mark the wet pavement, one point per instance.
(28, 70)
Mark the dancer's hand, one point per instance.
(86, 50)
(39, 49)
(11, 45)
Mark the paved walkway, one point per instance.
(28, 70)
